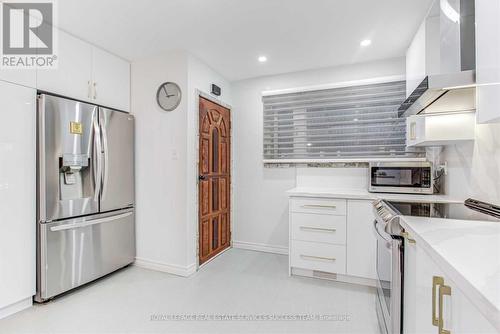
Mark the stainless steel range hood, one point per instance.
(451, 86)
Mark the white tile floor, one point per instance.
(238, 282)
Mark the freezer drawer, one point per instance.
(77, 251)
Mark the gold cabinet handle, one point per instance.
(319, 229)
(406, 235)
(319, 206)
(444, 290)
(310, 257)
(436, 282)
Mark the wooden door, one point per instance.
(214, 179)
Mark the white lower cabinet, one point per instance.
(361, 241)
(318, 256)
(432, 301)
(318, 228)
(17, 196)
(333, 236)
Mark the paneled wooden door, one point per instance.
(214, 179)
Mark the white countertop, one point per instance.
(320, 192)
(468, 252)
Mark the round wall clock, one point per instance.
(168, 96)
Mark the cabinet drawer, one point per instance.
(318, 228)
(318, 205)
(318, 256)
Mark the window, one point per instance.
(339, 123)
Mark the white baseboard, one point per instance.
(261, 247)
(165, 267)
(16, 307)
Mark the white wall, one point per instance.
(160, 153)
(474, 168)
(166, 160)
(261, 206)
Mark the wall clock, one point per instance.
(168, 96)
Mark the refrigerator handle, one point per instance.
(106, 156)
(98, 159)
(41, 157)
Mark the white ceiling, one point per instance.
(229, 35)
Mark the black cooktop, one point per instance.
(470, 210)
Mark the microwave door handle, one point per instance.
(106, 154)
(98, 160)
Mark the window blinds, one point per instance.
(338, 123)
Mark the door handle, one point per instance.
(319, 206)
(319, 229)
(321, 258)
(104, 132)
(437, 281)
(97, 157)
(202, 177)
(444, 290)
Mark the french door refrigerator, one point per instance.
(85, 211)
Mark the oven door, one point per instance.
(389, 280)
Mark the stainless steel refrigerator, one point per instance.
(85, 225)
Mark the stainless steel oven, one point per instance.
(401, 177)
(390, 259)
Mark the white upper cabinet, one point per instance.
(87, 73)
(72, 76)
(488, 60)
(111, 80)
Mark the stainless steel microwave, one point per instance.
(401, 177)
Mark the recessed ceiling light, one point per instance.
(365, 42)
(262, 59)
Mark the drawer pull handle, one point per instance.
(310, 257)
(318, 229)
(321, 206)
(436, 283)
(444, 290)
